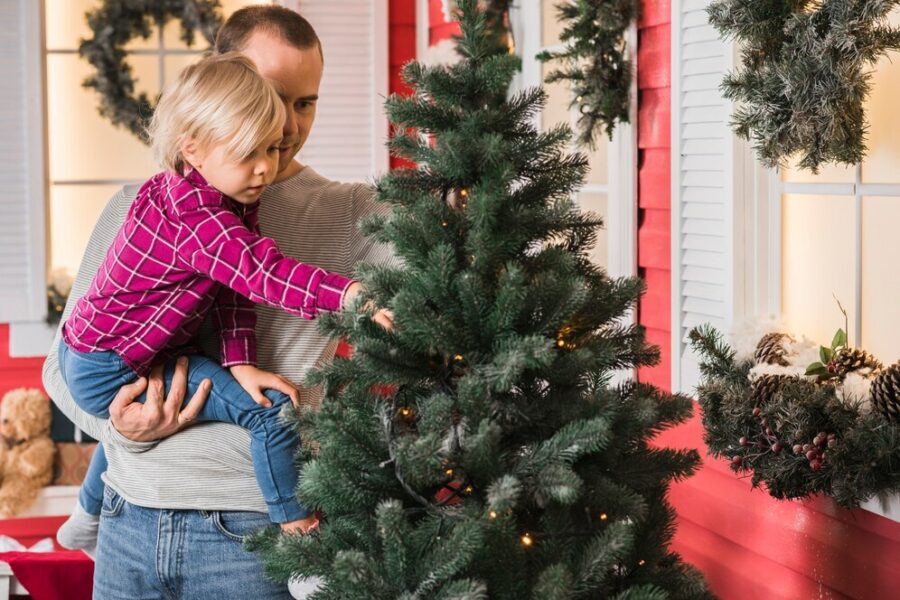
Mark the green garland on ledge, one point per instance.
(800, 435)
(116, 22)
(596, 63)
(805, 74)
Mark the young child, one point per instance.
(190, 245)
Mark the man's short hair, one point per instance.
(269, 18)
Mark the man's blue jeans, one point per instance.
(154, 554)
(94, 378)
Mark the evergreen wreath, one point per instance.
(805, 73)
(831, 427)
(596, 63)
(116, 22)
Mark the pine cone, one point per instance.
(886, 392)
(764, 388)
(847, 360)
(771, 349)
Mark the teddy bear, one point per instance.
(26, 450)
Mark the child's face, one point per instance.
(242, 179)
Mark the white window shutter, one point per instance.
(347, 142)
(22, 174)
(704, 186)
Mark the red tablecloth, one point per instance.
(53, 575)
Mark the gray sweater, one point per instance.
(208, 466)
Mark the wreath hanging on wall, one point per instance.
(596, 63)
(805, 73)
(116, 22)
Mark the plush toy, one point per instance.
(26, 450)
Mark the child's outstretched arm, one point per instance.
(214, 241)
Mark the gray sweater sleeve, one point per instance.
(101, 238)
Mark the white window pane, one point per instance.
(551, 27)
(65, 22)
(597, 158)
(176, 63)
(558, 97)
(883, 139)
(172, 30)
(596, 203)
(818, 263)
(828, 173)
(84, 145)
(74, 210)
(881, 278)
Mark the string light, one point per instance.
(449, 472)
(527, 540)
(469, 489)
(444, 223)
(603, 516)
(458, 358)
(406, 411)
(642, 562)
(561, 341)
(493, 514)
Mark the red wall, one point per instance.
(18, 372)
(654, 159)
(749, 545)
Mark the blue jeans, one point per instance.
(94, 378)
(154, 554)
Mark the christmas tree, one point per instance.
(478, 450)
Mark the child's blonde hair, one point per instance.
(220, 100)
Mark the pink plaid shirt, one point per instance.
(186, 248)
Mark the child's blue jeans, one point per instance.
(94, 378)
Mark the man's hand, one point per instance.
(254, 381)
(155, 419)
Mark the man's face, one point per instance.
(296, 75)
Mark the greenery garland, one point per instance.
(116, 22)
(802, 430)
(805, 74)
(596, 63)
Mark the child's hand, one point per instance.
(382, 316)
(254, 381)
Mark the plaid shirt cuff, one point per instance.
(238, 351)
(330, 295)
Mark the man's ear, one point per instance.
(190, 150)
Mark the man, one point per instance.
(177, 509)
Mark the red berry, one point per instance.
(744, 441)
(812, 455)
(832, 368)
(807, 447)
(832, 442)
(757, 411)
(798, 449)
(777, 447)
(820, 439)
(769, 431)
(815, 465)
(737, 461)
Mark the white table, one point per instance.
(52, 500)
(9, 584)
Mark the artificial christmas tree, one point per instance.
(478, 450)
